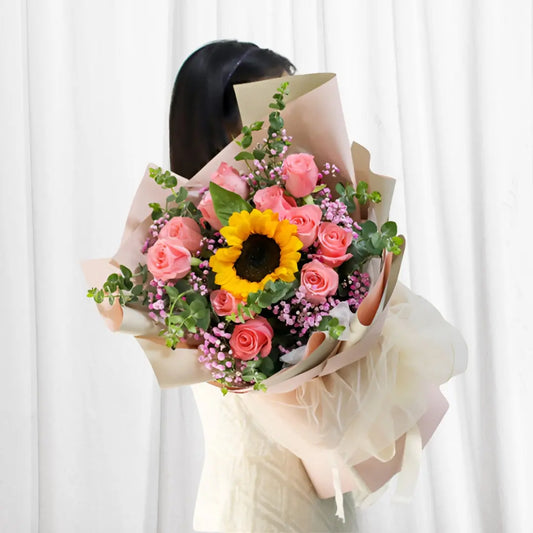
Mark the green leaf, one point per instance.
(190, 324)
(378, 241)
(259, 154)
(244, 155)
(226, 203)
(256, 126)
(246, 141)
(99, 296)
(265, 299)
(203, 319)
(276, 122)
(182, 195)
(171, 181)
(318, 188)
(367, 228)
(375, 197)
(389, 229)
(172, 291)
(126, 272)
(362, 187)
(267, 366)
(278, 146)
(137, 290)
(197, 306)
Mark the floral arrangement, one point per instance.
(263, 259)
(275, 267)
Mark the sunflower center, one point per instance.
(259, 257)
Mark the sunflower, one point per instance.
(261, 248)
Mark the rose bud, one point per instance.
(301, 174)
(208, 211)
(223, 302)
(273, 198)
(230, 179)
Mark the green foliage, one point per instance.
(247, 135)
(188, 312)
(332, 326)
(226, 203)
(165, 179)
(269, 150)
(273, 292)
(257, 370)
(371, 243)
(244, 156)
(363, 196)
(121, 287)
(348, 194)
(176, 204)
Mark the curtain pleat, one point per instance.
(439, 92)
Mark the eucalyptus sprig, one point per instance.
(121, 287)
(182, 206)
(257, 370)
(371, 243)
(273, 292)
(360, 193)
(332, 326)
(268, 152)
(188, 312)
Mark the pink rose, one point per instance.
(301, 173)
(333, 243)
(251, 339)
(231, 180)
(168, 260)
(307, 219)
(208, 211)
(318, 281)
(274, 199)
(184, 231)
(223, 302)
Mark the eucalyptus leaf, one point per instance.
(172, 291)
(389, 229)
(241, 156)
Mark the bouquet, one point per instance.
(272, 270)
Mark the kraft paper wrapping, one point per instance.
(333, 408)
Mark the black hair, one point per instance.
(203, 110)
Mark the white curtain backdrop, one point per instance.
(439, 92)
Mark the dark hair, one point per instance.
(203, 109)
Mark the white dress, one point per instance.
(249, 483)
